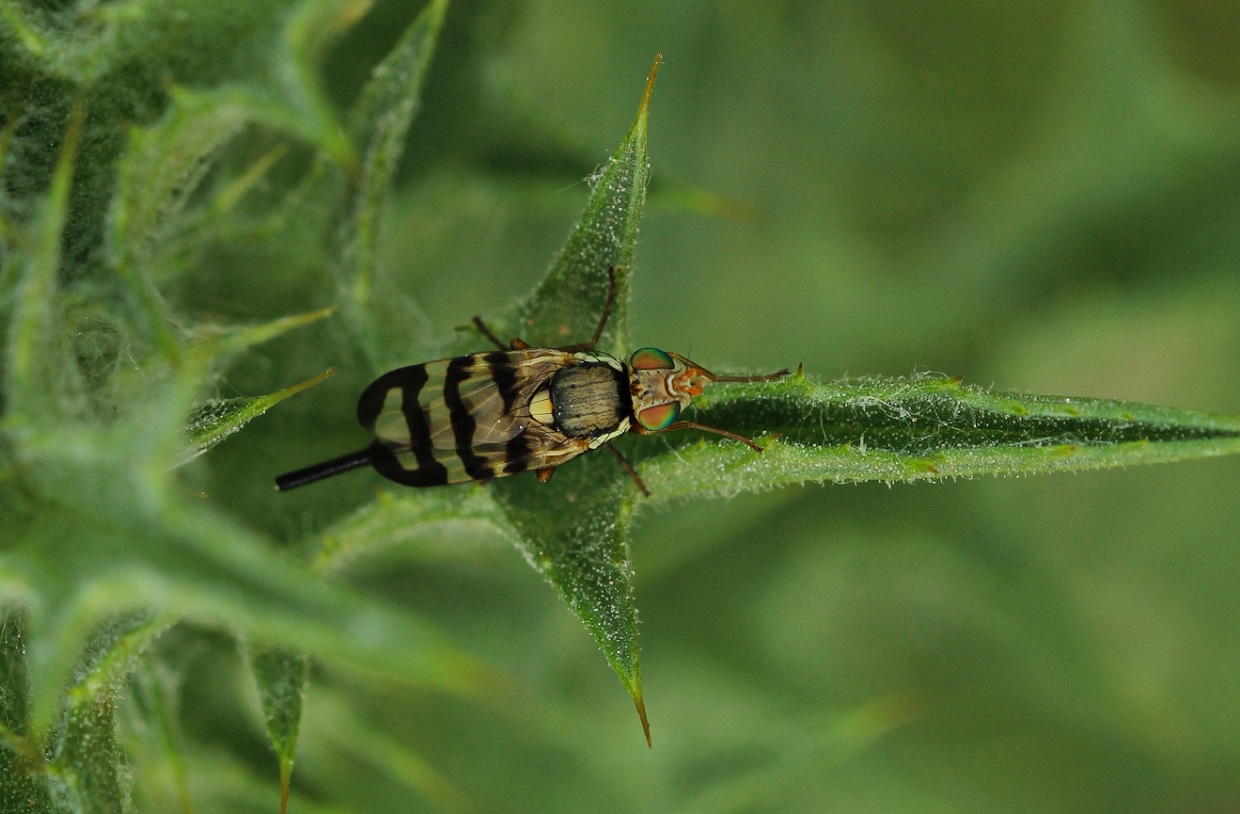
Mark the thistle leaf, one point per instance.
(920, 428)
(574, 531)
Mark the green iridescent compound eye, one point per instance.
(658, 418)
(651, 359)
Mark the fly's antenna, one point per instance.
(769, 377)
(706, 374)
(697, 370)
(326, 469)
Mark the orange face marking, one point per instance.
(690, 381)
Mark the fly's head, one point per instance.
(663, 384)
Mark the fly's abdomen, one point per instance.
(591, 401)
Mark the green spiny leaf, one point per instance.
(157, 174)
(379, 124)
(213, 421)
(88, 45)
(922, 428)
(574, 532)
(565, 306)
(113, 653)
(337, 721)
(91, 761)
(389, 521)
(148, 548)
(226, 342)
(194, 566)
(36, 366)
(306, 33)
(23, 780)
(158, 750)
(281, 676)
(87, 754)
(163, 165)
(155, 177)
(14, 683)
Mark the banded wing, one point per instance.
(462, 419)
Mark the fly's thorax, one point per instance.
(591, 399)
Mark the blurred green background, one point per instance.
(1038, 196)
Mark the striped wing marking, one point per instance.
(462, 419)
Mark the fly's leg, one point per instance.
(544, 474)
(611, 299)
(628, 467)
(521, 344)
(693, 425)
(485, 331)
(515, 344)
(602, 322)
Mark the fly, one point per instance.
(489, 415)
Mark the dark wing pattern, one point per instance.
(462, 419)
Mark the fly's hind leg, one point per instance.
(602, 322)
(693, 425)
(628, 467)
(611, 299)
(521, 344)
(486, 331)
(515, 344)
(544, 473)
